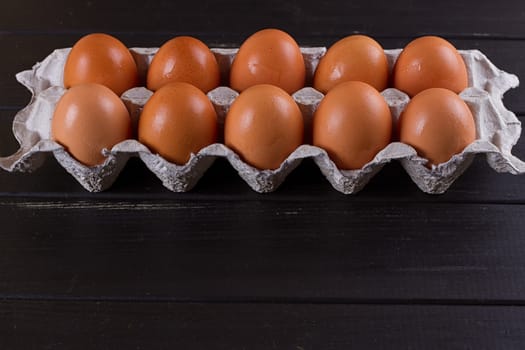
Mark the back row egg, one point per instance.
(269, 56)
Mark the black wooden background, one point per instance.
(222, 267)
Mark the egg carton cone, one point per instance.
(497, 130)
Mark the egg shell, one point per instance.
(264, 125)
(498, 130)
(355, 57)
(352, 124)
(103, 59)
(429, 62)
(184, 59)
(438, 124)
(176, 121)
(269, 56)
(89, 118)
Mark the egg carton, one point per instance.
(497, 129)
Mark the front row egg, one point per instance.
(264, 125)
(177, 120)
(352, 124)
(89, 118)
(438, 124)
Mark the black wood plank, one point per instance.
(224, 267)
(261, 249)
(102, 325)
(235, 17)
(23, 51)
(479, 184)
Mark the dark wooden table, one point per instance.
(222, 267)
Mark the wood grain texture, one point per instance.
(261, 249)
(102, 325)
(232, 18)
(223, 267)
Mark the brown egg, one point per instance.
(89, 118)
(429, 62)
(264, 126)
(185, 59)
(178, 120)
(269, 56)
(356, 57)
(438, 124)
(352, 123)
(103, 59)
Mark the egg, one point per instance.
(103, 59)
(177, 120)
(184, 59)
(429, 62)
(89, 118)
(270, 56)
(356, 57)
(352, 124)
(438, 124)
(264, 125)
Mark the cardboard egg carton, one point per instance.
(497, 128)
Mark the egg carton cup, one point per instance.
(497, 129)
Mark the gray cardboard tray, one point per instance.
(497, 128)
